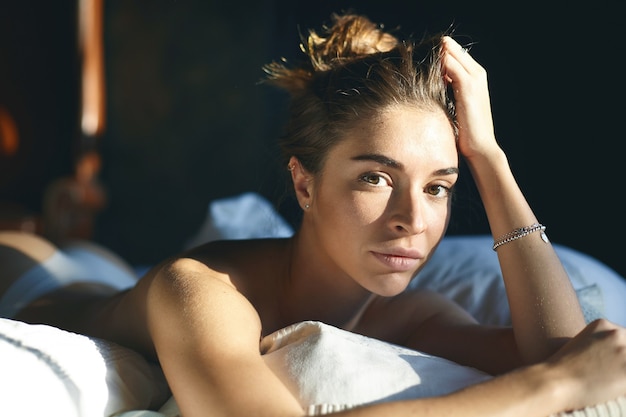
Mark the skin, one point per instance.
(371, 220)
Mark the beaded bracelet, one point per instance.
(520, 233)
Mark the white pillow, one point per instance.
(330, 369)
(45, 371)
(243, 216)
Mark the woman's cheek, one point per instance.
(369, 207)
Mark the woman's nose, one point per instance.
(408, 214)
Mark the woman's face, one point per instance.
(382, 201)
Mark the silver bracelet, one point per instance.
(520, 233)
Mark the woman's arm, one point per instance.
(544, 309)
(207, 335)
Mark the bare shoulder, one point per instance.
(186, 293)
(182, 292)
(213, 280)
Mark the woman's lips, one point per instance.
(398, 262)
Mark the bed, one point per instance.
(329, 369)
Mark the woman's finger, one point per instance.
(452, 49)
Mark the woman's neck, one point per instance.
(314, 288)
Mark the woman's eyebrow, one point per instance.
(381, 159)
(447, 171)
(385, 160)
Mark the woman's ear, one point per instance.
(302, 182)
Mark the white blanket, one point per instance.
(48, 372)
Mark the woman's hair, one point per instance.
(354, 70)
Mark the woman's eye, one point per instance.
(439, 191)
(374, 179)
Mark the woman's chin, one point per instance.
(389, 285)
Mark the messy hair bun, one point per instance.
(349, 37)
(354, 69)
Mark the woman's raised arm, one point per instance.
(544, 309)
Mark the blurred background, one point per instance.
(127, 119)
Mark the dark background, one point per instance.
(188, 122)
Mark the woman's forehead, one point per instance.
(401, 132)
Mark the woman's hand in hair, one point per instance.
(468, 81)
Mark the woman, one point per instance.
(373, 148)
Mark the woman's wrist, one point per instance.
(494, 158)
(563, 388)
(553, 389)
(492, 174)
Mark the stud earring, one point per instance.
(306, 206)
